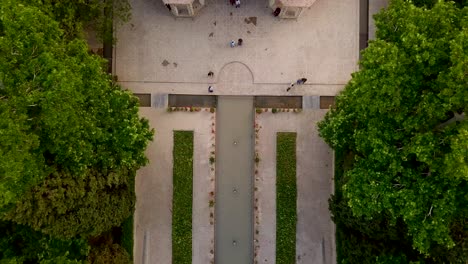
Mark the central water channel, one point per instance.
(234, 180)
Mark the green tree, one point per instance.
(431, 3)
(74, 15)
(72, 138)
(401, 116)
(21, 244)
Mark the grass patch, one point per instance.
(286, 196)
(182, 197)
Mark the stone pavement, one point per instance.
(159, 54)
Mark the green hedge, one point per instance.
(286, 196)
(182, 197)
(127, 235)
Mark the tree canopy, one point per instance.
(74, 15)
(401, 117)
(71, 140)
(431, 3)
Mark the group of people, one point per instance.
(298, 82)
(235, 2)
(238, 43)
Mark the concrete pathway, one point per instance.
(234, 179)
(153, 217)
(315, 238)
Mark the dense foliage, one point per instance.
(22, 244)
(70, 139)
(401, 122)
(431, 3)
(74, 15)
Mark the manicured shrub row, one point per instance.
(127, 235)
(189, 109)
(278, 110)
(182, 197)
(286, 196)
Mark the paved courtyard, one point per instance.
(159, 54)
(156, 52)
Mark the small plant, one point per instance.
(258, 110)
(212, 109)
(191, 109)
(257, 158)
(212, 160)
(211, 203)
(169, 109)
(274, 110)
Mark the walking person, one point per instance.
(210, 74)
(290, 86)
(239, 42)
(210, 89)
(237, 3)
(232, 43)
(301, 81)
(233, 2)
(277, 12)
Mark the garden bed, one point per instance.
(182, 197)
(286, 198)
